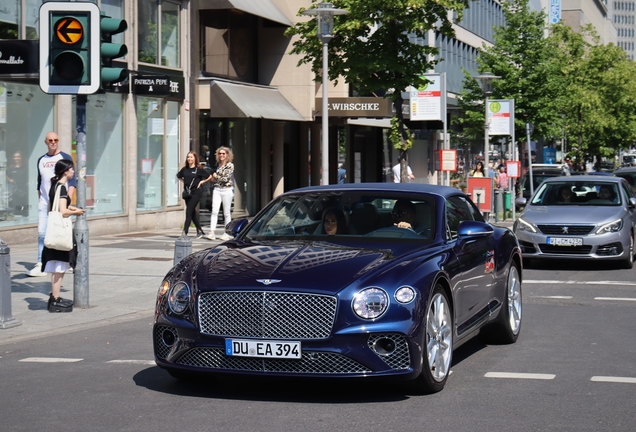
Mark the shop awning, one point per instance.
(229, 100)
(382, 123)
(262, 8)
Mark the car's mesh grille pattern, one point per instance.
(565, 250)
(572, 230)
(270, 315)
(161, 349)
(399, 358)
(311, 362)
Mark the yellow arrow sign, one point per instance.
(69, 30)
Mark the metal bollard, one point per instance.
(182, 248)
(6, 319)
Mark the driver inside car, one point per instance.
(403, 214)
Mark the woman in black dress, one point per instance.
(193, 175)
(54, 261)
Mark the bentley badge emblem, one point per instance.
(268, 281)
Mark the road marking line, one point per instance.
(553, 297)
(570, 282)
(141, 362)
(50, 360)
(519, 375)
(615, 298)
(613, 379)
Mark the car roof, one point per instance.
(586, 177)
(625, 170)
(382, 187)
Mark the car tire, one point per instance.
(438, 344)
(506, 327)
(628, 262)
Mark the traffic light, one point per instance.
(69, 48)
(109, 51)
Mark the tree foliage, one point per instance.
(377, 48)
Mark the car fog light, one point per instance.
(370, 303)
(405, 294)
(179, 298)
(163, 289)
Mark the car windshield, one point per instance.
(571, 192)
(331, 215)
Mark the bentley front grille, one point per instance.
(263, 314)
(311, 362)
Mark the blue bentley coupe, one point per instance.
(349, 280)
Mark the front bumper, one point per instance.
(345, 355)
(610, 246)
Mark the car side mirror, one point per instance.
(632, 202)
(236, 226)
(474, 229)
(521, 202)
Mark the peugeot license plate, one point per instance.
(565, 241)
(262, 349)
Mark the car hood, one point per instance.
(572, 214)
(291, 265)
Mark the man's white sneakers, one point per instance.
(36, 271)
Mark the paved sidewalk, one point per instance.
(125, 271)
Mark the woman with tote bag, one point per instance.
(57, 262)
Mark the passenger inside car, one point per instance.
(334, 222)
(565, 195)
(606, 193)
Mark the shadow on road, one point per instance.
(569, 264)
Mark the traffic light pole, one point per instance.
(80, 282)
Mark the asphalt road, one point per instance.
(572, 369)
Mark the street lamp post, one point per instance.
(486, 86)
(324, 28)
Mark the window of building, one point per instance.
(157, 148)
(26, 115)
(104, 154)
(228, 44)
(159, 37)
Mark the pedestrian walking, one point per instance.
(342, 174)
(46, 171)
(478, 171)
(192, 175)
(397, 172)
(54, 261)
(223, 193)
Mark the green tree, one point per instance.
(375, 48)
(519, 56)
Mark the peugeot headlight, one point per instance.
(525, 226)
(370, 303)
(179, 298)
(610, 227)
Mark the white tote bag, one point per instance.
(59, 230)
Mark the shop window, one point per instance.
(158, 156)
(9, 19)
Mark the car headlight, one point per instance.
(404, 294)
(370, 303)
(610, 227)
(525, 226)
(179, 298)
(163, 289)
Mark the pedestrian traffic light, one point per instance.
(109, 51)
(69, 48)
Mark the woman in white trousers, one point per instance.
(223, 193)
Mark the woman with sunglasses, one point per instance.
(223, 193)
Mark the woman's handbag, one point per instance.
(59, 230)
(187, 191)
